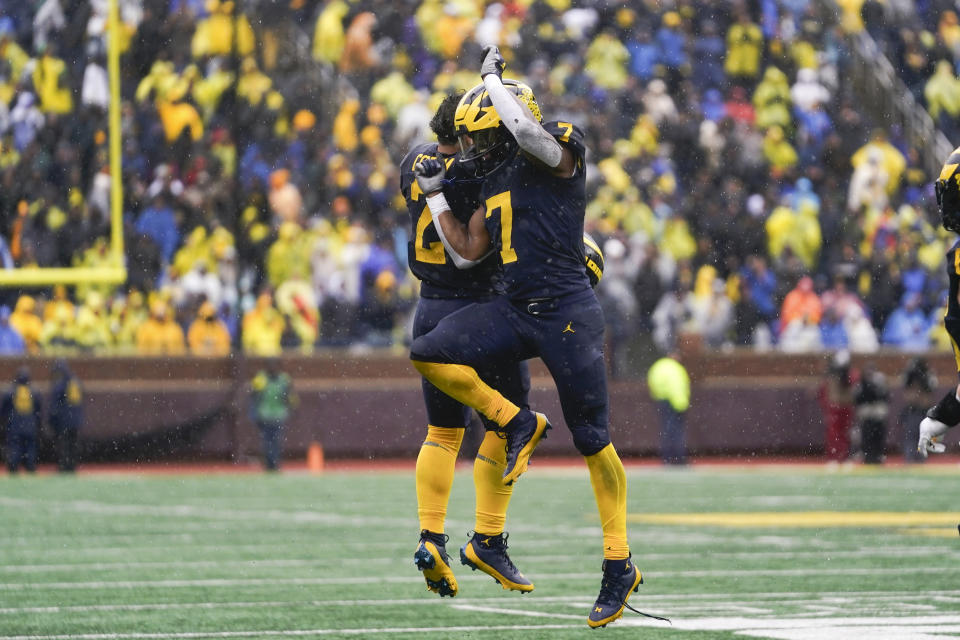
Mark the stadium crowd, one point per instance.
(737, 190)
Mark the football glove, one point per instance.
(430, 175)
(931, 437)
(493, 62)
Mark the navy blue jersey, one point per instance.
(536, 220)
(425, 253)
(951, 320)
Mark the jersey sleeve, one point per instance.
(569, 135)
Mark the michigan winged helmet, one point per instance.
(484, 140)
(948, 192)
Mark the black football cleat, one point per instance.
(432, 560)
(489, 554)
(523, 434)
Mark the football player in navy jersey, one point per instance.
(946, 413)
(532, 212)
(449, 284)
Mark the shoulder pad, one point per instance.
(567, 134)
(426, 148)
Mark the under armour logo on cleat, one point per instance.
(569, 328)
(598, 609)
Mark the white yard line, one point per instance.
(297, 633)
(242, 582)
(884, 628)
(700, 601)
(867, 552)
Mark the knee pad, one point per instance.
(590, 438)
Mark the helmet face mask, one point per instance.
(486, 150)
(947, 188)
(485, 143)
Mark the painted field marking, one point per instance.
(532, 559)
(243, 582)
(699, 601)
(796, 519)
(287, 633)
(885, 628)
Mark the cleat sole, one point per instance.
(507, 585)
(440, 584)
(523, 458)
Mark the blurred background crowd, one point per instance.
(740, 193)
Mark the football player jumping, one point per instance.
(946, 413)
(447, 287)
(533, 204)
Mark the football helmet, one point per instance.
(485, 143)
(947, 188)
(593, 259)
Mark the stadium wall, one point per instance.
(369, 406)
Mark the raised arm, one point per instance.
(516, 117)
(466, 244)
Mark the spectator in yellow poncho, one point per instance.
(744, 46)
(677, 239)
(178, 117)
(59, 300)
(160, 334)
(49, 79)
(328, 35)
(222, 33)
(772, 100)
(798, 230)
(393, 92)
(942, 91)
(57, 333)
(453, 27)
(345, 135)
(288, 257)
(126, 319)
(26, 322)
(92, 324)
(894, 162)
(607, 59)
(208, 335)
(850, 20)
(158, 82)
(252, 85)
(262, 328)
(780, 154)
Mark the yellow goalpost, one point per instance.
(116, 272)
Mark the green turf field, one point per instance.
(798, 553)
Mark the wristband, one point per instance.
(438, 204)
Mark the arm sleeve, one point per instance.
(531, 137)
(437, 206)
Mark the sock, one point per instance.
(434, 475)
(462, 383)
(610, 489)
(493, 497)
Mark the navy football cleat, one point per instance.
(524, 432)
(620, 579)
(489, 554)
(432, 560)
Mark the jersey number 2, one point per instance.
(502, 201)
